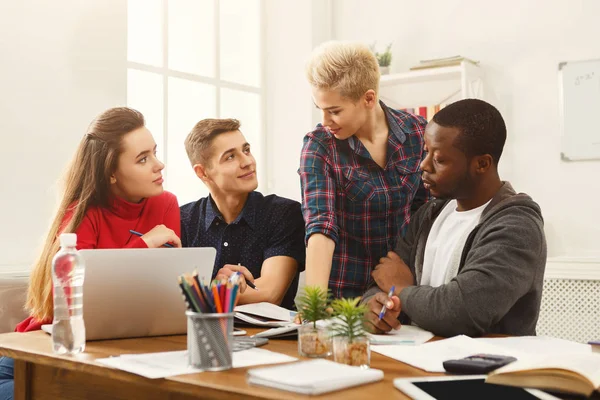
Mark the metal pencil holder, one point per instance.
(210, 340)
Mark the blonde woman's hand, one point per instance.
(160, 235)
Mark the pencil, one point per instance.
(217, 299)
(141, 234)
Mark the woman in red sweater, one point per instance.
(113, 185)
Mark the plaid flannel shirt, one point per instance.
(362, 207)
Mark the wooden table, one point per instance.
(40, 374)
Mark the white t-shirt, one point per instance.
(446, 241)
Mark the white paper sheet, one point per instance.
(162, 365)
(430, 356)
(538, 345)
(406, 335)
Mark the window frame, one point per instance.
(165, 72)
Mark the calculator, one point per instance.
(477, 364)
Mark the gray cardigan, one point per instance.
(498, 288)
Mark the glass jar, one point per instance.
(356, 352)
(313, 341)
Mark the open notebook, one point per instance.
(574, 373)
(264, 315)
(313, 377)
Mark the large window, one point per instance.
(195, 59)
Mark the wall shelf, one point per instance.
(432, 86)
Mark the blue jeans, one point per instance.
(7, 379)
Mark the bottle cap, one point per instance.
(68, 240)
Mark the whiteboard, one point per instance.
(579, 85)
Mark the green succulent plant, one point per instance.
(349, 318)
(383, 59)
(312, 304)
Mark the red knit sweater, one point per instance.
(108, 228)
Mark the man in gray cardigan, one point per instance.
(472, 261)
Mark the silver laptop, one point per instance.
(134, 292)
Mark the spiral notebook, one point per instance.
(313, 377)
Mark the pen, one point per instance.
(384, 308)
(248, 282)
(141, 234)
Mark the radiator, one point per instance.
(571, 299)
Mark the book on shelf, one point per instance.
(571, 373)
(442, 62)
(431, 112)
(426, 112)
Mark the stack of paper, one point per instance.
(313, 377)
(162, 365)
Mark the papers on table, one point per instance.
(534, 345)
(430, 356)
(406, 335)
(162, 365)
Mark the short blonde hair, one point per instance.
(350, 68)
(198, 142)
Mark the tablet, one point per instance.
(465, 387)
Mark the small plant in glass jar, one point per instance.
(350, 340)
(313, 340)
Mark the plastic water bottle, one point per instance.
(68, 329)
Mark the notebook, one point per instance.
(313, 377)
(264, 315)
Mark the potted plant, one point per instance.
(384, 59)
(313, 340)
(350, 341)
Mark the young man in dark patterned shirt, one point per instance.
(359, 170)
(260, 236)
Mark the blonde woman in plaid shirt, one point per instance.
(359, 170)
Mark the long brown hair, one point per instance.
(86, 183)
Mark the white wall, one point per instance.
(61, 65)
(293, 30)
(519, 44)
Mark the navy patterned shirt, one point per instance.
(268, 226)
